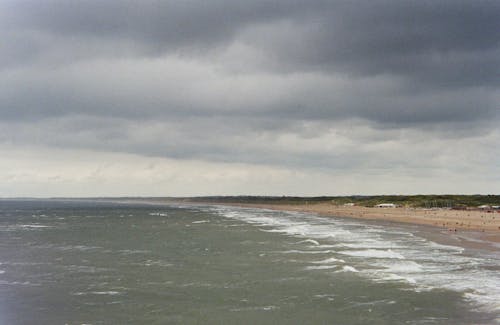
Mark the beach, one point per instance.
(481, 224)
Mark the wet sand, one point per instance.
(466, 225)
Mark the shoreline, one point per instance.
(467, 228)
(475, 229)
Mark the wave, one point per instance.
(384, 254)
(349, 268)
(376, 253)
(311, 241)
(24, 227)
(158, 214)
(321, 267)
(329, 260)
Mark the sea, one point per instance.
(105, 262)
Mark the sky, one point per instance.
(253, 97)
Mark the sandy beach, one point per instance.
(486, 224)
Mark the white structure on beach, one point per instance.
(386, 205)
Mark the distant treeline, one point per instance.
(417, 201)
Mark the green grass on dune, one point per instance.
(417, 201)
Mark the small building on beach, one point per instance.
(386, 205)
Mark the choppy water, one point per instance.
(108, 263)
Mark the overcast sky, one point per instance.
(211, 97)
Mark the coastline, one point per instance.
(472, 228)
(467, 228)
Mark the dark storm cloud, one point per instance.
(447, 43)
(153, 27)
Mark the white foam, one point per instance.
(326, 246)
(99, 293)
(18, 283)
(374, 253)
(329, 297)
(321, 267)
(24, 227)
(312, 241)
(348, 268)
(133, 251)
(201, 221)
(394, 277)
(158, 214)
(295, 251)
(111, 293)
(385, 253)
(371, 244)
(34, 226)
(404, 267)
(263, 308)
(160, 263)
(77, 248)
(445, 247)
(329, 261)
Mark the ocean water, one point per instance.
(84, 262)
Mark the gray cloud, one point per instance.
(166, 89)
(149, 28)
(324, 85)
(450, 43)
